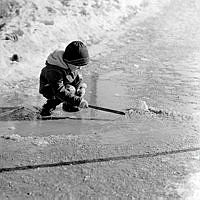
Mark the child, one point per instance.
(60, 81)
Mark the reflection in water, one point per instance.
(93, 91)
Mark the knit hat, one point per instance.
(76, 53)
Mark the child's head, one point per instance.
(76, 54)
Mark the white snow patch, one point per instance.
(191, 189)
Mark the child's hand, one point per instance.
(81, 90)
(83, 104)
(71, 89)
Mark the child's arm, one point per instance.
(79, 85)
(55, 79)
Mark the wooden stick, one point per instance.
(107, 110)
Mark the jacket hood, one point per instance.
(56, 58)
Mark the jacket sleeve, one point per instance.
(55, 79)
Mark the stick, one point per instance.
(107, 110)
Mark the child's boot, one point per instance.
(69, 108)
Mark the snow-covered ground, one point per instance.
(42, 26)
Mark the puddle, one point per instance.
(25, 122)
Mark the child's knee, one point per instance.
(47, 91)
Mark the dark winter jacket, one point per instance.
(55, 76)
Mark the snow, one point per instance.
(43, 26)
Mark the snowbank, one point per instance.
(42, 26)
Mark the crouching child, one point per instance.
(61, 81)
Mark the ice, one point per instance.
(143, 105)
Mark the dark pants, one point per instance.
(51, 104)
